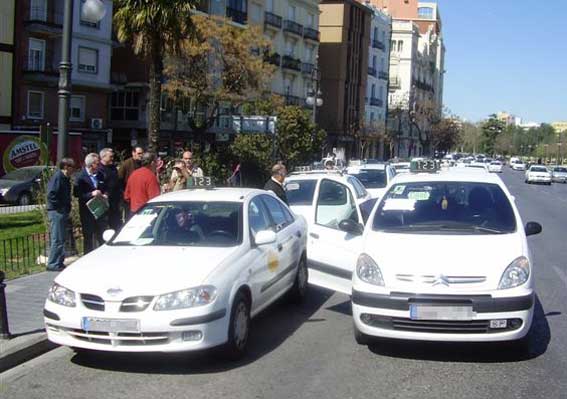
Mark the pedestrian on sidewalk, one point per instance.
(143, 184)
(275, 184)
(126, 169)
(58, 210)
(89, 183)
(179, 177)
(192, 168)
(110, 174)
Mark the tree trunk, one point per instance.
(156, 69)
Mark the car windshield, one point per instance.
(496, 163)
(371, 178)
(300, 192)
(22, 174)
(538, 169)
(560, 170)
(199, 224)
(445, 208)
(479, 166)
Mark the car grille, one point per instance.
(136, 303)
(430, 279)
(118, 339)
(92, 302)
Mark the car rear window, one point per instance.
(300, 192)
(538, 169)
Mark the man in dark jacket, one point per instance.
(58, 209)
(89, 183)
(275, 183)
(113, 189)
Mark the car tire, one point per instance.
(360, 337)
(24, 199)
(298, 291)
(238, 328)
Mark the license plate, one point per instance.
(432, 312)
(110, 325)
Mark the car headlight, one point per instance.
(61, 296)
(189, 298)
(516, 274)
(4, 191)
(368, 271)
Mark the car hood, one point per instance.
(403, 257)
(9, 183)
(376, 192)
(142, 270)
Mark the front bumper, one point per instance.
(535, 179)
(165, 331)
(560, 179)
(388, 316)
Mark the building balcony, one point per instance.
(395, 82)
(36, 69)
(292, 27)
(376, 102)
(307, 68)
(240, 17)
(288, 62)
(377, 44)
(274, 59)
(272, 20)
(372, 71)
(423, 85)
(294, 100)
(41, 20)
(311, 34)
(383, 75)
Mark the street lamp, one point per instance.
(92, 11)
(545, 146)
(314, 96)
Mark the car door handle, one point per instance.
(280, 247)
(316, 236)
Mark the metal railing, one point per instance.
(307, 68)
(293, 27)
(271, 19)
(237, 16)
(378, 44)
(372, 71)
(312, 34)
(383, 75)
(395, 82)
(376, 102)
(293, 100)
(289, 62)
(38, 64)
(274, 59)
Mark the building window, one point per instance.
(88, 60)
(291, 13)
(36, 55)
(38, 10)
(289, 48)
(124, 106)
(239, 5)
(255, 13)
(90, 24)
(374, 61)
(381, 97)
(77, 108)
(270, 6)
(375, 33)
(373, 92)
(311, 20)
(35, 104)
(425, 12)
(308, 53)
(400, 46)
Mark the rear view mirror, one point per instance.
(533, 228)
(352, 227)
(107, 235)
(265, 237)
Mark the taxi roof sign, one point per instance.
(200, 182)
(424, 166)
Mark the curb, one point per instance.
(23, 348)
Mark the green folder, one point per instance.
(98, 206)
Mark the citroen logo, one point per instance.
(114, 291)
(440, 280)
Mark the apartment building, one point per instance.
(39, 26)
(7, 16)
(377, 84)
(343, 59)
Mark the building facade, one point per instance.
(377, 83)
(7, 17)
(39, 27)
(560, 127)
(343, 59)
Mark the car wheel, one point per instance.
(24, 199)
(298, 291)
(360, 337)
(238, 329)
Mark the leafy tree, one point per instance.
(219, 65)
(491, 129)
(470, 138)
(445, 134)
(154, 28)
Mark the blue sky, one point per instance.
(506, 55)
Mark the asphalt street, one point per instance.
(309, 351)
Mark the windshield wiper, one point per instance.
(447, 227)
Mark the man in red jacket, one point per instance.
(142, 184)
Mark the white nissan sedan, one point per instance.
(187, 272)
(538, 174)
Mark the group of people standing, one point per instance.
(125, 190)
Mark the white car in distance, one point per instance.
(495, 167)
(518, 165)
(374, 177)
(186, 273)
(538, 174)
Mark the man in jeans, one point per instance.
(58, 209)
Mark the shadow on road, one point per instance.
(540, 337)
(268, 331)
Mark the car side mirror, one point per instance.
(107, 235)
(533, 228)
(352, 227)
(265, 237)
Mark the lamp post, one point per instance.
(314, 96)
(545, 158)
(92, 11)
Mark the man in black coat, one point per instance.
(275, 183)
(113, 187)
(89, 183)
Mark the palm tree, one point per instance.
(154, 28)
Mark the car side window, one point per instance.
(335, 203)
(358, 187)
(276, 211)
(258, 220)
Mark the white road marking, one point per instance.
(20, 371)
(562, 275)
